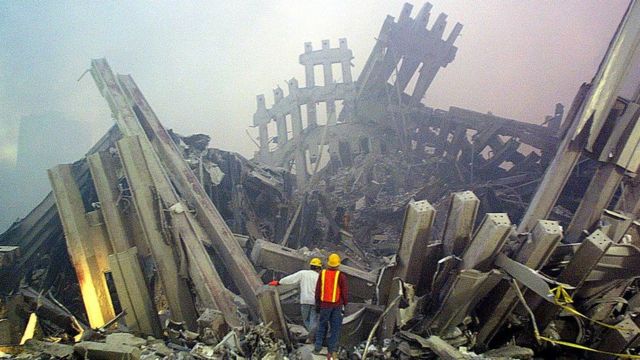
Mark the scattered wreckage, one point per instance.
(463, 233)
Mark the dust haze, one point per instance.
(201, 64)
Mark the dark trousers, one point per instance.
(330, 318)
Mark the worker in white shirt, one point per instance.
(307, 280)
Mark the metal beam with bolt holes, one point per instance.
(487, 242)
(412, 253)
(461, 217)
(534, 253)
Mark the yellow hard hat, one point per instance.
(334, 260)
(315, 262)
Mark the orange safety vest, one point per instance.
(329, 289)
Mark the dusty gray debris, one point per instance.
(211, 326)
(510, 352)
(54, 349)
(125, 339)
(103, 351)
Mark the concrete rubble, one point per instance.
(464, 235)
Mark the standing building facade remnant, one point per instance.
(408, 41)
(286, 110)
(425, 52)
(385, 100)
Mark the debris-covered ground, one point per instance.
(463, 235)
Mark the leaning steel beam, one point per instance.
(587, 256)
(458, 227)
(134, 121)
(619, 155)
(98, 239)
(105, 182)
(602, 187)
(616, 225)
(186, 236)
(621, 261)
(41, 227)
(93, 284)
(545, 237)
(411, 257)
(611, 76)
(237, 263)
(466, 291)
(377, 54)
(626, 334)
(416, 234)
(558, 172)
(588, 122)
(125, 266)
(145, 201)
(271, 312)
(487, 242)
(121, 219)
(133, 293)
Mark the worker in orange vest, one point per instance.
(331, 298)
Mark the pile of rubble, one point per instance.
(257, 342)
(464, 235)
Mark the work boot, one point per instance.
(317, 351)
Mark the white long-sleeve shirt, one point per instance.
(307, 280)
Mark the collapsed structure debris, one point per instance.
(462, 233)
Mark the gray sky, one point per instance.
(200, 64)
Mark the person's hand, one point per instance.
(274, 283)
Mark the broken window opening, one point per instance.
(336, 71)
(318, 73)
(304, 116)
(288, 120)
